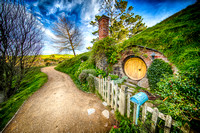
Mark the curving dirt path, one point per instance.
(60, 107)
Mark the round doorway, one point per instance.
(135, 68)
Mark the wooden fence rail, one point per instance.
(119, 99)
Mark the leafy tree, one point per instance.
(20, 43)
(68, 36)
(123, 23)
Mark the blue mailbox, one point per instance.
(139, 99)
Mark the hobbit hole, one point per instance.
(133, 64)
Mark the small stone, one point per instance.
(143, 83)
(106, 114)
(91, 111)
(105, 104)
(106, 125)
(112, 111)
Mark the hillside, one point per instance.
(177, 37)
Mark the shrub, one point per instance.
(90, 71)
(106, 47)
(156, 72)
(82, 77)
(101, 72)
(113, 77)
(47, 63)
(181, 94)
(84, 58)
(90, 80)
(85, 73)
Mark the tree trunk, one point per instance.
(74, 52)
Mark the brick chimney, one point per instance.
(103, 27)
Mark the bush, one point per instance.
(84, 58)
(82, 77)
(182, 96)
(156, 72)
(90, 80)
(85, 73)
(113, 77)
(101, 72)
(90, 71)
(106, 47)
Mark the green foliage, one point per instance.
(101, 72)
(85, 73)
(124, 127)
(49, 59)
(90, 71)
(123, 22)
(145, 55)
(106, 47)
(84, 58)
(90, 80)
(156, 72)
(177, 37)
(120, 80)
(85, 65)
(31, 83)
(74, 67)
(82, 77)
(182, 95)
(113, 77)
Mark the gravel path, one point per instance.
(60, 107)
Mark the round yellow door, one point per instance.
(135, 68)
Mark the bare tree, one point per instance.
(68, 36)
(20, 43)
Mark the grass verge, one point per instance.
(31, 83)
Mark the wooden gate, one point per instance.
(135, 68)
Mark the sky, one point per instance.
(83, 11)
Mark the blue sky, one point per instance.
(84, 11)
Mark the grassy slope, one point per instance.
(178, 37)
(32, 82)
(74, 66)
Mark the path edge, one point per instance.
(13, 116)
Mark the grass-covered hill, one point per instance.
(177, 37)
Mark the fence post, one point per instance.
(105, 87)
(134, 112)
(128, 105)
(112, 94)
(122, 99)
(154, 119)
(144, 112)
(99, 84)
(168, 124)
(108, 90)
(116, 96)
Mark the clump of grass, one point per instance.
(31, 83)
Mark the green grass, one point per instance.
(31, 83)
(73, 67)
(177, 37)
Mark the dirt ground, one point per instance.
(60, 107)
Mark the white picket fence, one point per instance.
(119, 99)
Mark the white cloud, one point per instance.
(49, 34)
